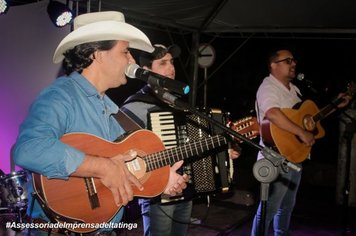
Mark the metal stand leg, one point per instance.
(265, 172)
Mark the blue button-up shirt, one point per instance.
(70, 104)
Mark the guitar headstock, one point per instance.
(247, 127)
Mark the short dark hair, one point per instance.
(274, 53)
(160, 51)
(78, 58)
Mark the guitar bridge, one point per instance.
(92, 193)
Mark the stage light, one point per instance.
(3, 6)
(59, 13)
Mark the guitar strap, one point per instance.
(126, 122)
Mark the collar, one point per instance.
(91, 91)
(84, 84)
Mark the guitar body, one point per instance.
(68, 199)
(289, 145)
(87, 200)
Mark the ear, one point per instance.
(272, 66)
(98, 56)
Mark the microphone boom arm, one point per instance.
(275, 158)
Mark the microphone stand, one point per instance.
(265, 170)
(309, 85)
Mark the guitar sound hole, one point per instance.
(309, 123)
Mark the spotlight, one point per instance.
(59, 13)
(3, 6)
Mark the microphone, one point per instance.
(170, 98)
(308, 83)
(301, 77)
(134, 71)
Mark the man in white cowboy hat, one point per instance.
(94, 58)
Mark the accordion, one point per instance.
(208, 174)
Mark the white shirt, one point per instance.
(272, 93)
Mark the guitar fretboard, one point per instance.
(172, 155)
(333, 104)
(327, 109)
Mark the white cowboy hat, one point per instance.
(100, 26)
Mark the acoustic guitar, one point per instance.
(87, 200)
(307, 116)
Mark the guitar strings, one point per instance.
(157, 160)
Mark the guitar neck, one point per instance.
(172, 155)
(351, 88)
(327, 110)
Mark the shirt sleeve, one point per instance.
(38, 147)
(267, 98)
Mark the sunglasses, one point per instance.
(288, 60)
